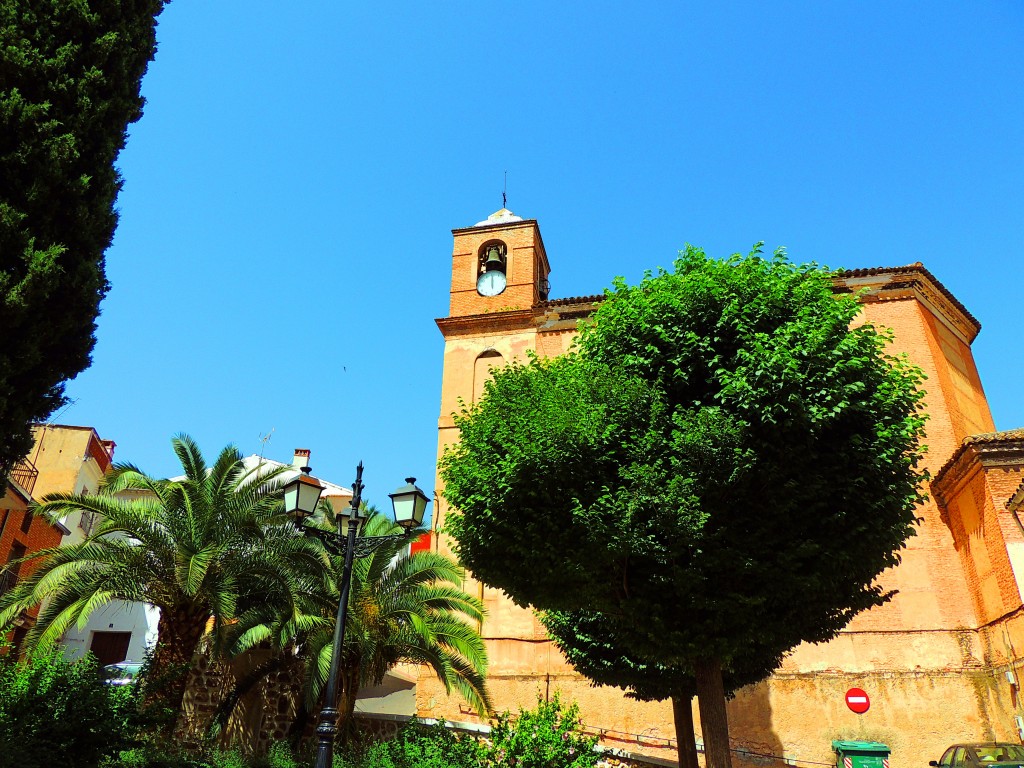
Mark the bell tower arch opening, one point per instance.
(498, 265)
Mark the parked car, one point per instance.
(122, 673)
(986, 755)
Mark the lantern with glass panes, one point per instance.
(301, 495)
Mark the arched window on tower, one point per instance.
(483, 368)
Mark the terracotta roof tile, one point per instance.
(572, 300)
(996, 437)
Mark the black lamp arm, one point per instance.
(365, 545)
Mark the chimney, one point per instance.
(109, 446)
(301, 460)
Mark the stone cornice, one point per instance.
(546, 317)
(992, 449)
(1016, 501)
(489, 322)
(911, 282)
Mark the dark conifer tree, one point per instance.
(70, 73)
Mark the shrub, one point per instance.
(280, 756)
(156, 756)
(550, 736)
(57, 712)
(418, 746)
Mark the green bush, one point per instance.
(156, 756)
(232, 758)
(418, 746)
(57, 712)
(280, 756)
(547, 737)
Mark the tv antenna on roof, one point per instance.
(264, 439)
(504, 189)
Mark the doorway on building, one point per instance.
(110, 647)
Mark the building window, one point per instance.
(18, 639)
(9, 575)
(26, 521)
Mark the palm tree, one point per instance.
(403, 607)
(197, 548)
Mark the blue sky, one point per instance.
(285, 243)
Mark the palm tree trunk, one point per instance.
(347, 701)
(299, 726)
(714, 722)
(242, 686)
(179, 631)
(686, 745)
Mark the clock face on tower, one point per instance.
(491, 283)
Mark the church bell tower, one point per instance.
(498, 264)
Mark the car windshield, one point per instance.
(121, 671)
(1000, 753)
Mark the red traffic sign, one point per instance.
(857, 700)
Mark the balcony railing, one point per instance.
(25, 474)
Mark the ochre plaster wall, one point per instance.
(64, 460)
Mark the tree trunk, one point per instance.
(179, 632)
(347, 701)
(714, 722)
(686, 745)
(221, 715)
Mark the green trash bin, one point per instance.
(861, 754)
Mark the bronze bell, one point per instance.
(494, 259)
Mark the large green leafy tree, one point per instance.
(197, 548)
(403, 607)
(70, 72)
(725, 459)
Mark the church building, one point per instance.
(939, 663)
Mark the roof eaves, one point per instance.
(572, 301)
(973, 442)
(1016, 501)
(915, 267)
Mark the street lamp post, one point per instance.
(301, 496)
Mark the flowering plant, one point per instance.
(550, 736)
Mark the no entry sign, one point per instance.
(857, 700)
